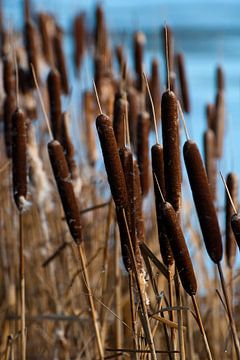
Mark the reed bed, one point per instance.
(100, 257)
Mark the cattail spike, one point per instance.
(167, 56)
(229, 195)
(16, 75)
(153, 109)
(42, 103)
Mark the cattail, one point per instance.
(31, 48)
(120, 111)
(183, 82)
(139, 219)
(65, 189)
(60, 60)
(133, 110)
(100, 32)
(179, 249)
(203, 200)
(235, 223)
(139, 41)
(54, 93)
(143, 127)
(19, 158)
(220, 83)
(8, 108)
(46, 37)
(158, 171)
(219, 123)
(120, 57)
(154, 85)
(171, 151)
(79, 32)
(112, 161)
(232, 184)
(68, 146)
(210, 161)
(210, 112)
(90, 136)
(8, 76)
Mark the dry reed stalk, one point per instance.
(65, 188)
(168, 42)
(90, 136)
(171, 150)
(139, 217)
(68, 146)
(9, 106)
(60, 61)
(46, 37)
(112, 161)
(79, 33)
(154, 85)
(219, 123)
(210, 161)
(120, 109)
(54, 93)
(31, 48)
(118, 292)
(232, 184)
(143, 127)
(183, 82)
(203, 201)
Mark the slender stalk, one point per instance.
(22, 287)
(133, 316)
(199, 319)
(91, 303)
(229, 312)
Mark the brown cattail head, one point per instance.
(158, 171)
(183, 82)
(54, 93)
(203, 201)
(120, 112)
(8, 108)
(101, 41)
(143, 127)
(171, 150)
(8, 76)
(46, 37)
(210, 161)
(179, 249)
(154, 85)
(60, 61)
(31, 48)
(220, 83)
(232, 184)
(210, 112)
(79, 32)
(65, 189)
(139, 41)
(235, 223)
(19, 158)
(112, 161)
(139, 218)
(219, 123)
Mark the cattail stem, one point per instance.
(90, 298)
(229, 311)
(132, 308)
(22, 287)
(200, 324)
